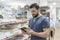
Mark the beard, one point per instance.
(35, 15)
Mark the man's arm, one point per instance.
(44, 34)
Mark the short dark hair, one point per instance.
(34, 5)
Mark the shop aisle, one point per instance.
(57, 34)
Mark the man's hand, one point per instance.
(44, 34)
(29, 30)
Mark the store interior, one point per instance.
(11, 22)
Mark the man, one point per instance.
(38, 25)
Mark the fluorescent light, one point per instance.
(15, 4)
(51, 6)
(3, 0)
(54, 3)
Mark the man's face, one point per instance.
(34, 12)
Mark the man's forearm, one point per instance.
(41, 34)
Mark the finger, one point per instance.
(29, 28)
(25, 29)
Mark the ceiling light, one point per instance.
(2, 0)
(51, 6)
(54, 3)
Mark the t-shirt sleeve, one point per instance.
(45, 23)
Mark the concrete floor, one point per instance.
(56, 35)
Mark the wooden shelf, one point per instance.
(11, 35)
(13, 22)
(45, 7)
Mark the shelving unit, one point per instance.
(10, 32)
(45, 12)
(10, 27)
(7, 35)
(13, 22)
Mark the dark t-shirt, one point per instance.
(38, 25)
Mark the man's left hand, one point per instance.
(29, 30)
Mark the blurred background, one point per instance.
(15, 14)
